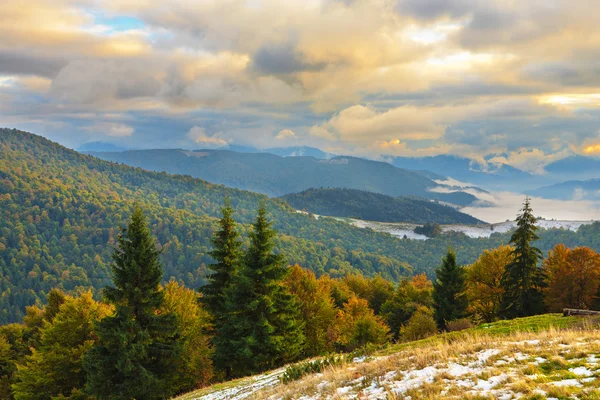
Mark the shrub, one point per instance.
(297, 371)
(458, 325)
(420, 325)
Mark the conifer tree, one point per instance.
(264, 324)
(449, 297)
(138, 348)
(227, 254)
(523, 280)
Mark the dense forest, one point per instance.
(60, 213)
(371, 206)
(275, 176)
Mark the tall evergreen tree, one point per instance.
(264, 324)
(227, 254)
(138, 348)
(523, 280)
(449, 297)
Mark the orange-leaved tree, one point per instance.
(574, 277)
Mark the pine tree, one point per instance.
(449, 297)
(264, 328)
(523, 280)
(227, 254)
(138, 348)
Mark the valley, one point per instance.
(401, 229)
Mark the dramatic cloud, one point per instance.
(514, 82)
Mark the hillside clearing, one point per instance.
(541, 357)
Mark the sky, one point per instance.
(514, 82)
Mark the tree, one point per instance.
(7, 368)
(55, 368)
(264, 323)
(195, 369)
(317, 308)
(358, 325)
(409, 296)
(420, 325)
(227, 254)
(138, 349)
(573, 277)
(483, 282)
(523, 281)
(449, 297)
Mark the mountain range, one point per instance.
(275, 175)
(494, 176)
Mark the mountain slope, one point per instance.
(60, 212)
(579, 190)
(465, 170)
(359, 204)
(276, 176)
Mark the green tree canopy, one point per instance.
(138, 349)
(523, 280)
(449, 298)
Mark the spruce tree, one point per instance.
(523, 280)
(227, 254)
(264, 328)
(138, 348)
(449, 297)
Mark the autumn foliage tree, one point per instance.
(483, 282)
(573, 277)
(317, 308)
(358, 325)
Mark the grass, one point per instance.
(550, 337)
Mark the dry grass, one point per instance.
(479, 363)
(514, 365)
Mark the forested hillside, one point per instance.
(375, 207)
(60, 212)
(276, 176)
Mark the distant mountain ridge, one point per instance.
(466, 170)
(570, 190)
(275, 175)
(358, 204)
(100, 147)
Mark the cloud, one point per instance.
(199, 136)
(281, 59)
(285, 134)
(501, 206)
(517, 80)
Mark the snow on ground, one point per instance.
(490, 372)
(402, 229)
(501, 369)
(246, 388)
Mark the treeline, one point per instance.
(360, 204)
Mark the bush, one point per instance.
(420, 325)
(297, 371)
(458, 325)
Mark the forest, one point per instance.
(359, 204)
(60, 213)
(146, 339)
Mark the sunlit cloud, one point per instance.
(513, 81)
